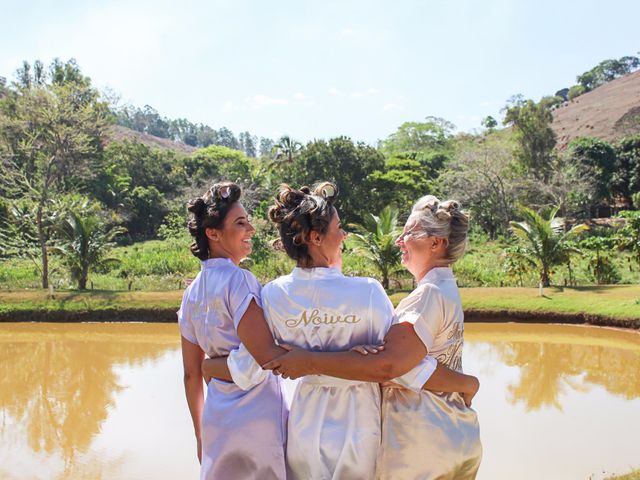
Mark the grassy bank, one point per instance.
(603, 305)
(164, 264)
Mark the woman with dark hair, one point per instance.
(425, 434)
(239, 433)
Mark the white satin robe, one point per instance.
(243, 430)
(427, 435)
(334, 424)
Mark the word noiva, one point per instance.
(315, 317)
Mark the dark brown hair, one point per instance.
(297, 213)
(209, 211)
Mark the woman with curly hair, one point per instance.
(239, 433)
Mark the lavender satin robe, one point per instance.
(427, 435)
(243, 431)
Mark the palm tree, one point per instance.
(285, 150)
(83, 245)
(544, 242)
(375, 239)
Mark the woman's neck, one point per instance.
(420, 273)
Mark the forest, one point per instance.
(80, 209)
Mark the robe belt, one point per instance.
(327, 381)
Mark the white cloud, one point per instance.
(261, 101)
(334, 91)
(300, 96)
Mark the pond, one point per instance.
(106, 401)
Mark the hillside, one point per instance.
(119, 133)
(609, 112)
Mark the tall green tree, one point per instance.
(598, 159)
(375, 240)
(536, 139)
(50, 133)
(543, 242)
(626, 178)
(433, 134)
(343, 162)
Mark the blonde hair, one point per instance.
(447, 220)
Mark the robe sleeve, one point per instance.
(244, 288)
(187, 329)
(245, 371)
(415, 378)
(426, 312)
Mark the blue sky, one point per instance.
(318, 69)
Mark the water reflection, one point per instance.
(106, 401)
(58, 382)
(555, 358)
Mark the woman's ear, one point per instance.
(315, 238)
(212, 234)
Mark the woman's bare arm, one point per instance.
(402, 351)
(192, 356)
(256, 336)
(216, 367)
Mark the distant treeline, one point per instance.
(148, 120)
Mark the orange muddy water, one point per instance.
(106, 401)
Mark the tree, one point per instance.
(608, 70)
(629, 235)
(626, 178)
(266, 147)
(433, 134)
(49, 136)
(576, 91)
(375, 239)
(402, 181)
(83, 243)
(485, 178)
(248, 144)
(543, 241)
(489, 123)
(597, 158)
(346, 164)
(533, 133)
(285, 150)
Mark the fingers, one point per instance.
(367, 349)
(360, 349)
(272, 365)
(287, 347)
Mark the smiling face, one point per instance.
(326, 248)
(233, 240)
(420, 252)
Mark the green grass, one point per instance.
(618, 302)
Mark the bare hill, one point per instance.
(609, 112)
(119, 133)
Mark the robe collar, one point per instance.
(436, 275)
(316, 273)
